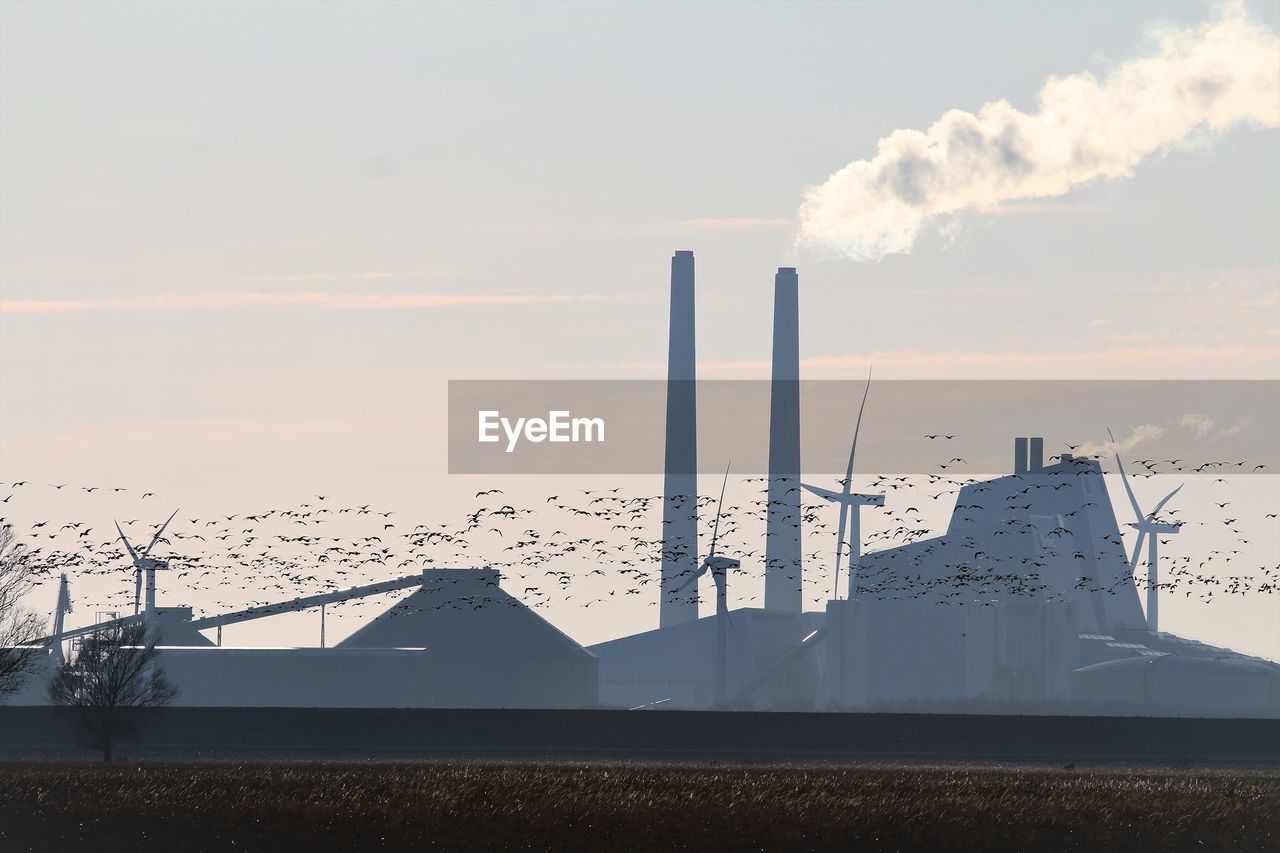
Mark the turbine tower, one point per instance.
(719, 568)
(1148, 525)
(851, 505)
(145, 564)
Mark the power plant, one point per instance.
(1025, 603)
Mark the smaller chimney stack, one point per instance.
(1036, 461)
(1019, 455)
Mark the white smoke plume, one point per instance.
(1205, 78)
(1141, 434)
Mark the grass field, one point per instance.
(615, 807)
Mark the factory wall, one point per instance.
(1176, 684)
(1036, 649)
(33, 689)
(373, 678)
(884, 651)
(676, 665)
(299, 678)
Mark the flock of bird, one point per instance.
(592, 547)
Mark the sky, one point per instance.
(243, 247)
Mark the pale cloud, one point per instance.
(1131, 338)
(1236, 361)
(153, 270)
(1197, 423)
(332, 276)
(1129, 362)
(1234, 429)
(1203, 426)
(337, 301)
(734, 223)
(699, 224)
(95, 269)
(1267, 300)
(192, 440)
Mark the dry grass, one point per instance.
(615, 807)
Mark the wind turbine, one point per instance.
(1148, 525)
(60, 610)
(851, 505)
(719, 568)
(145, 564)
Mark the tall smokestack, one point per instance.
(782, 573)
(680, 481)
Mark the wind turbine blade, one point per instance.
(857, 427)
(826, 494)
(715, 531)
(1137, 549)
(846, 488)
(692, 578)
(1160, 505)
(160, 533)
(1124, 478)
(128, 547)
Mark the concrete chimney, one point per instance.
(1036, 455)
(680, 481)
(783, 577)
(1019, 456)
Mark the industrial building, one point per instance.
(1026, 603)
(432, 649)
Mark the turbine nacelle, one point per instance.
(846, 498)
(1157, 526)
(720, 565)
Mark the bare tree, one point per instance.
(19, 626)
(113, 683)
